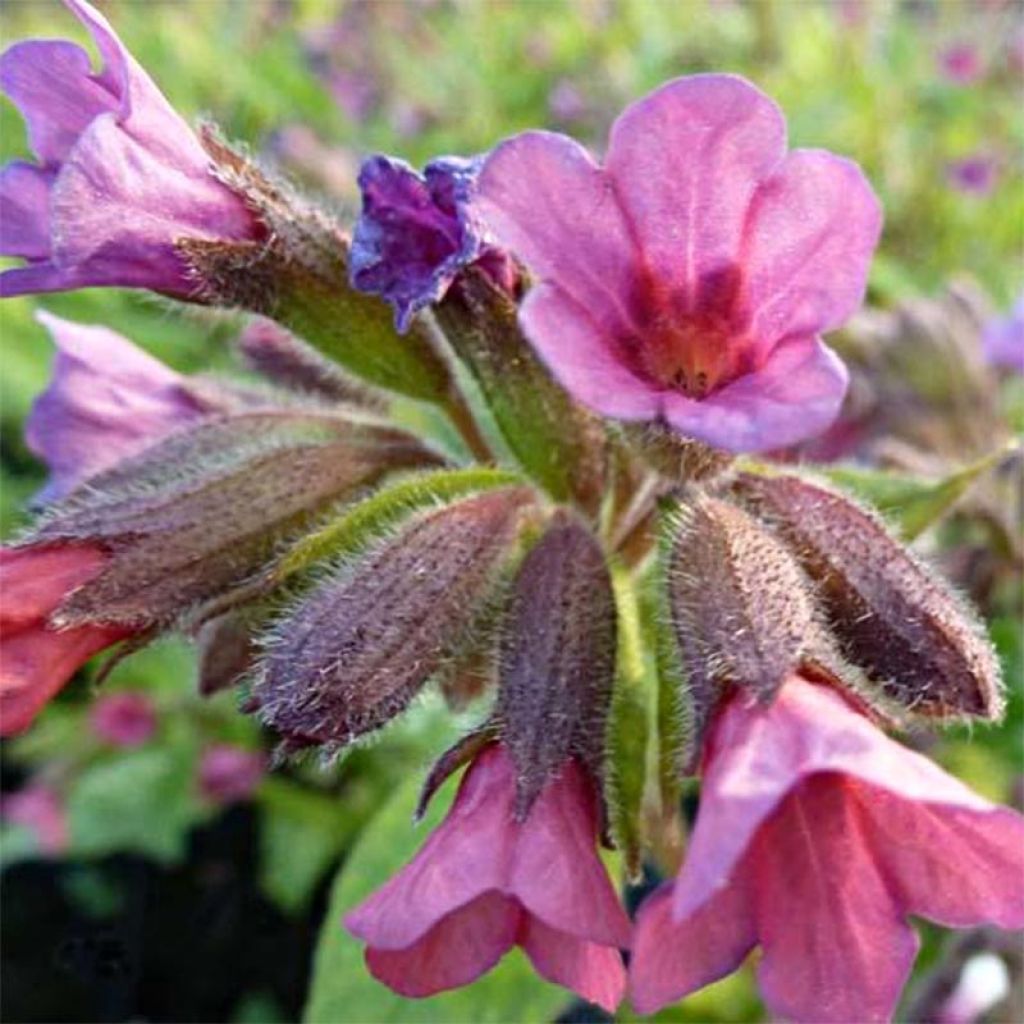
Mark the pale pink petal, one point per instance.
(589, 969)
(581, 355)
(671, 959)
(812, 229)
(686, 161)
(757, 756)
(465, 856)
(556, 872)
(107, 400)
(836, 946)
(796, 394)
(456, 951)
(541, 196)
(25, 210)
(957, 867)
(51, 83)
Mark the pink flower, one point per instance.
(816, 837)
(121, 177)
(689, 278)
(228, 773)
(483, 883)
(108, 400)
(123, 719)
(40, 809)
(36, 660)
(961, 63)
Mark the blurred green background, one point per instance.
(166, 906)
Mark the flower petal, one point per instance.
(556, 872)
(541, 196)
(671, 959)
(108, 399)
(35, 580)
(686, 161)
(812, 229)
(580, 354)
(456, 951)
(465, 856)
(591, 970)
(957, 867)
(51, 83)
(836, 946)
(25, 210)
(795, 395)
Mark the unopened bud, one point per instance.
(894, 618)
(353, 653)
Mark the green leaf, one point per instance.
(302, 832)
(362, 523)
(140, 801)
(912, 504)
(343, 990)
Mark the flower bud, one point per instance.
(352, 653)
(557, 659)
(894, 618)
(738, 605)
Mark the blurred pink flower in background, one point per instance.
(121, 177)
(689, 279)
(228, 773)
(38, 808)
(484, 882)
(973, 174)
(960, 63)
(1003, 339)
(123, 719)
(816, 837)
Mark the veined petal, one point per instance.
(796, 394)
(686, 161)
(25, 210)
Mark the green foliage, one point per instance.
(343, 991)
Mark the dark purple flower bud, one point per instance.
(918, 643)
(123, 719)
(557, 661)
(973, 174)
(121, 177)
(354, 652)
(416, 232)
(228, 773)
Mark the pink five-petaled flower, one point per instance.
(689, 278)
(108, 399)
(816, 837)
(123, 720)
(36, 660)
(121, 177)
(483, 883)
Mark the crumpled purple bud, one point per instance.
(107, 400)
(415, 232)
(1003, 340)
(121, 177)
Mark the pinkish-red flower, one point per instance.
(39, 808)
(108, 400)
(123, 719)
(690, 277)
(228, 773)
(816, 838)
(36, 660)
(483, 883)
(120, 178)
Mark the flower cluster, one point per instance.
(632, 327)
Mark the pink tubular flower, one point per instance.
(40, 809)
(121, 177)
(228, 773)
(107, 400)
(123, 719)
(689, 278)
(35, 659)
(483, 883)
(816, 837)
